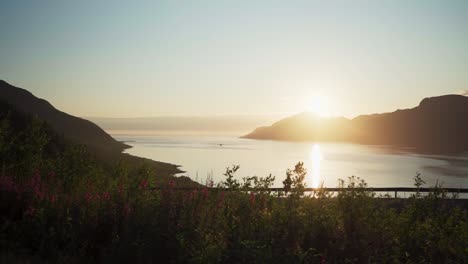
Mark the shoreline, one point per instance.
(151, 161)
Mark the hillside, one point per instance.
(75, 130)
(438, 125)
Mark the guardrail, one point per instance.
(395, 190)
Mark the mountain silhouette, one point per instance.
(439, 125)
(76, 129)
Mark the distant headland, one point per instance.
(439, 125)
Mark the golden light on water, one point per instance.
(316, 157)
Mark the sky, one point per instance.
(157, 58)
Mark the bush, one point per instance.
(127, 221)
(60, 205)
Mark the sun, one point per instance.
(319, 105)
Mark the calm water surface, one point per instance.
(201, 156)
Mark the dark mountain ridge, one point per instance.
(74, 128)
(80, 131)
(438, 125)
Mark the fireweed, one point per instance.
(128, 220)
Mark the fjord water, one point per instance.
(201, 156)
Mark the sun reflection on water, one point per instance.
(316, 157)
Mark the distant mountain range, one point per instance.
(228, 125)
(439, 125)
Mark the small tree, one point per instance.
(231, 182)
(294, 182)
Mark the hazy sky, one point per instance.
(150, 58)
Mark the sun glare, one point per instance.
(319, 105)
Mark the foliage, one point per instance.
(294, 183)
(58, 204)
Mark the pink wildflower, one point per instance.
(252, 198)
(53, 198)
(171, 184)
(88, 197)
(205, 193)
(37, 186)
(143, 184)
(191, 195)
(106, 196)
(7, 184)
(51, 175)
